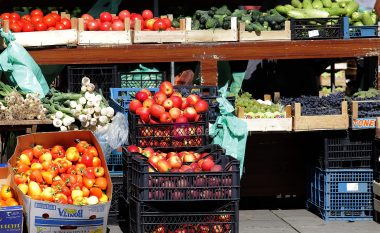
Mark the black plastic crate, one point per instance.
(344, 153)
(103, 77)
(363, 31)
(208, 93)
(147, 218)
(191, 134)
(117, 184)
(317, 28)
(141, 79)
(123, 218)
(376, 159)
(188, 186)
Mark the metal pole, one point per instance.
(155, 8)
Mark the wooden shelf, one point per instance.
(209, 53)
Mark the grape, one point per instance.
(255, 109)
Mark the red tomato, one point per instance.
(159, 25)
(147, 14)
(26, 17)
(115, 18)
(5, 16)
(51, 29)
(40, 26)
(105, 17)
(49, 21)
(124, 14)
(36, 19)
(87, 17)
(15, 16)
(66, 22)
(118, 25)
(167, 22)
(21, 23)
(149, 23)
(56, 16)
(28, 27)
(36, 13)
(60, 26)
(93, 25)
(105, 26)
(134, 17)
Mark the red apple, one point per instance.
(190, 113)
(175, 162)
(188, 158)
(200, 162)
(177, 101)
(141, 96)
(134, 105)
(185, 104)
(181, 119)
(197, 156)
(148, 152)
(193, 99)
(144, 114)
(175, 113)
(133, 148)
(168, 104)
(182, 153)
(159, 98)
(153, 160)
(216, 168)
(177, 94)
(157, 110)
(165, 118)
(184, 168)
(174, 170)
(148, 103)
(163, 166)
(193, 165)
(201, 106)
(207, 164)
(171, 154)
(147, 92)
(167, 88)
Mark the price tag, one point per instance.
(313, 33)
(352, 187)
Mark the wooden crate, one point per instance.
(104, 38)
(323, 122)
(376, 201)
(361, 123)
(67, 37)
(268, 124)
(264, 35)
(176, 36)
(211, 35)
(340, 79)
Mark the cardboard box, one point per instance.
(11, 218)
(42, 216)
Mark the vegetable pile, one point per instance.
(15, 105)
(328, 8)
(258, 108)
(370, 105)
(71, 176)
(89, 108)
(7, 196)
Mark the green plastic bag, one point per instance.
(229, 131)
(20, 68)
(236, 83)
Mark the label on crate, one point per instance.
(352, 187)
(313, 33)
(364, 123)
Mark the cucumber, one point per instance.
(336, 11)
(307, 4)
(296, 4)
(308, 13)
(327, 3)
(317, 4)
(351, 8)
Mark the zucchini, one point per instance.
(296, 4)
(308, 13)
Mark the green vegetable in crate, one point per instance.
(358, 24)
(307, 13)
(199, 13)
(307, 4)
(351, 8)
(223, 11)
(317, 4)
(336, 11)
(356, 16)
(195, 25)
(327, 3)
(239, 13)
(296, 3)
(211, 23)
(175, 23)
(367, 19)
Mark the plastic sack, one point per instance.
(114, 135)
(229, 131)
(20, 68)
(236, 83)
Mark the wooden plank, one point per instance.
(269, 124)
(265, 35)
(364, 122)
(209, 72)
(323, 122)
(26, 122)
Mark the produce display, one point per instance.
(35, 21)
(369, 105)
(71, 175)
(107, 22)
(327, 91)
(15, 105)
(314, 105)
(7, 197)
(258, 108)
(328, 8)
(85, 110)
(167, 106)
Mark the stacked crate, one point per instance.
(376, 170)
(177, 201)
(341, 186)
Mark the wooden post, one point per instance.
(209, 72)
(355, 113)
(297, 110)
(344, 108)
(276, 97)
(267, 97)
(288, 111)
(127, 24)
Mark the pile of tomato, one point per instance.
(71, 176)
(35, 21)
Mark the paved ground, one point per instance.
(292, 221)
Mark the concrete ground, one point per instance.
(292, 221)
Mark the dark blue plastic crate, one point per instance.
(115, 162)
(342, 194)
